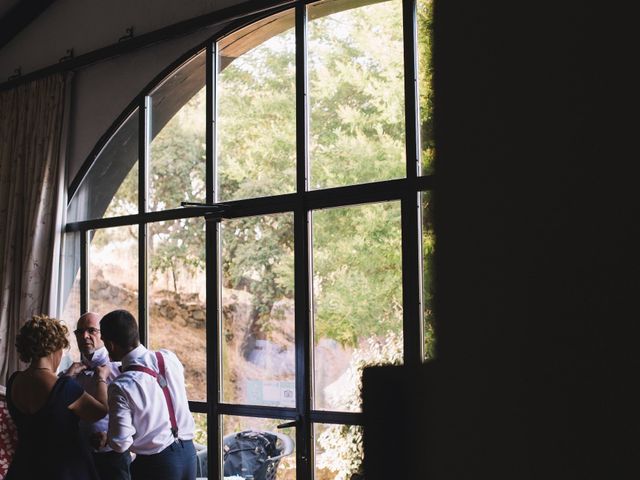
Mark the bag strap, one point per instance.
(162, 381)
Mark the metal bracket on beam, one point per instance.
(16, 73)
(128, 36)
(68, 56)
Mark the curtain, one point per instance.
(32, 127)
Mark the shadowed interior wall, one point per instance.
(537, 231)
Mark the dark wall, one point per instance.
(537, 223)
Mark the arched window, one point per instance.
(264, 210)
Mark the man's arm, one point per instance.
(121, 429)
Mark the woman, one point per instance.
(46, 408)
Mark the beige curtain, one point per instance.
(31, 166)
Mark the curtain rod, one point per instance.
(134, 43)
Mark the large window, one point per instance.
(265, 211)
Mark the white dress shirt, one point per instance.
(138, 413)
(86, 380)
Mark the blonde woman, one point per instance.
(46, 408)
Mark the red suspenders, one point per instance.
(161, 379)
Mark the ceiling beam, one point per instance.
(21, 15)
(243, 10)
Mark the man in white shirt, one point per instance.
(148, 408)
(111, 465)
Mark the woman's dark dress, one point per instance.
(49, 446)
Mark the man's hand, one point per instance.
(98, 440)
(75, 369)
(102, 372)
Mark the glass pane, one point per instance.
(257, 110)
(241, 433)
(69, 316)
(357, 293)
(338, 451)
(110, 188)
(258, 342)
(113, 270)
(177, 153)
(200, 442)
(200, 435)
(425, 83)
(428, 258)
(177, 296)
(356, 93)
(70, 292)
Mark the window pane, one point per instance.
(357, 293)
(70, 292)
(70, 315)
(356, 93)
(110, 188)
(200, 442)
(200, 435)
(257, 110)
(428, 257)
(425, 83)
(258, 342)
(113, 270)
(177, 296)
(277, 443)
(338, 451)
(177, 154)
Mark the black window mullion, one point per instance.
(259, 411)
(340, 418)
(210, 92)
(411, 279)
(315, 199)
(303, 341)
(409, 34)
(84, 271)
(304, 436)
(144, 129)
(143, 324)
(410, 205)
(212, 262)
(214, 378)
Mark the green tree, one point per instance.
(357, 136)
(425, 85)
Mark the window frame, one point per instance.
(301, 203)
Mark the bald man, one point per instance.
(111, 465)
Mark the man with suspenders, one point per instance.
(148, 408)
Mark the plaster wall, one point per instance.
(102, 91)
(85, 26)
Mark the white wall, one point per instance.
(103, 90)
(87, 25)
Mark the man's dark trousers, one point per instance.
(176, 462)
(112, 465)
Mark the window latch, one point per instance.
(211, 211)
(288, 424)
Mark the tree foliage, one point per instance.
(357, 135)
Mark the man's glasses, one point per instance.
(90, 331)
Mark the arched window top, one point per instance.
(257, 62)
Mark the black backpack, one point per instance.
(247, 453)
